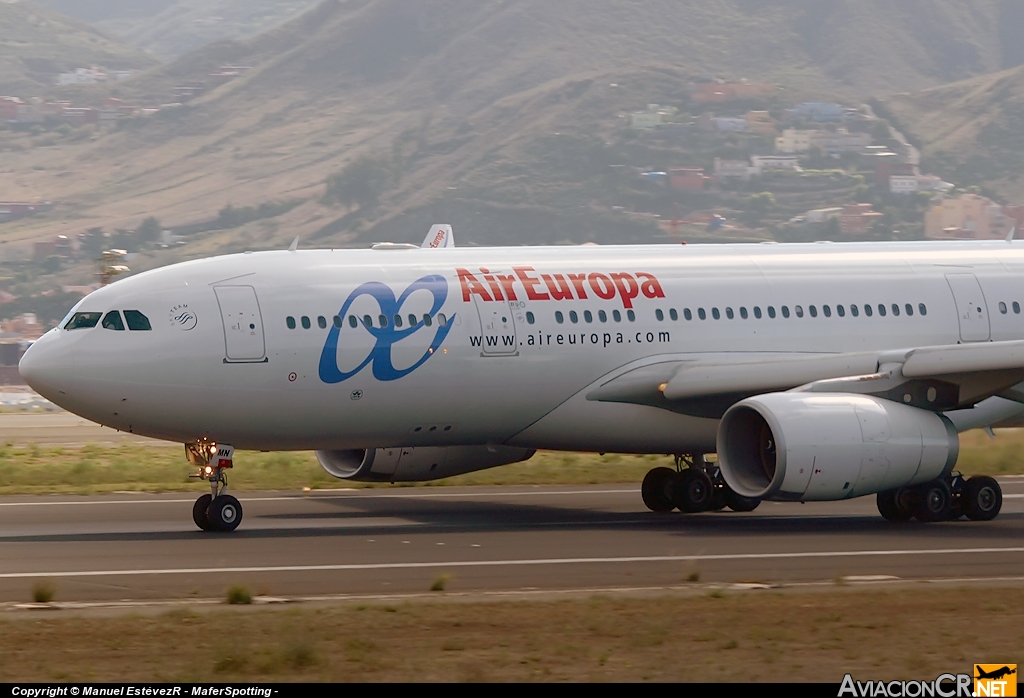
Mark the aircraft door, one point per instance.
(243, 324)
(970, 307)
(497, 328)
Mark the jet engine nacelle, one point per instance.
(823, 446)
(416, 464)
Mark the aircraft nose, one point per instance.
(48, 366)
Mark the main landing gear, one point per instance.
(946, 499)
(216, 511)
(695, 485)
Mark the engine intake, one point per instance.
(825, 446)
(416, 464)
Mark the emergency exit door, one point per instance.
(971, 310)
(243, 324)
(497, 328)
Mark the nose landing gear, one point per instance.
(216, 511)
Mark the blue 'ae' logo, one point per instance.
(380, 354)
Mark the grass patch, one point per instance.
(34, 469)
(43, 592)
(239, 594)
(582, 639)
(440, 583)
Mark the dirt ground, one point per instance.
(904, 632)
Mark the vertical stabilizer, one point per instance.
(439, 236)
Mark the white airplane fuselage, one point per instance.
(229, 357)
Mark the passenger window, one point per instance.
(895, 310)
(1002, 307)
(785, 311)
(812, 311)
(1016, 308)
(826, 310)
(322, 322)
(881, 309)
(383, 320)
(799, 310)
(743, 312)
(352, 321)
(729, 313)
(909, 308)
(427, 320)
(687, 314)
(617, 316)
(715, 314)
(305, 323)
(112, 321)
(602, 316)
(854, 310)
(630, 315)
(771, 311)
(673, 314)
(757, 312)
(136, 320)
(840, 311)
(368, 321)
(412, 320)
(588, 316)
(701, 314)
(338, 321)
(441, 319)
(529, 317)
(573, 317)
(658, 314)
(923, 309)
(867, 309)
(398, 320)
(558, 317)
(290, 322)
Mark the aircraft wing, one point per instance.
(936, 378)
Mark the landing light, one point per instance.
(208, 469)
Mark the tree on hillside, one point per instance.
(148, 231)
(362, 181)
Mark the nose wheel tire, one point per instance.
(225, 513)
(982, 498)
(199, 511)
(656, 489)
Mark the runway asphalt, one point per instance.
(485, 539)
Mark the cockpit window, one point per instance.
(82, 321)
(136, 320)
(112, 321)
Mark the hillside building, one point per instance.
(760, 122)
(687, 178)
(818, 111)
(857, 219)
(775, 162)
(969, 216)
(726, 170)
(82, 76)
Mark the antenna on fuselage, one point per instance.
(295, 244)
(1009, 235)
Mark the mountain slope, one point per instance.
(970, 131)
(170, 28)
(36, 44)
(470, 101)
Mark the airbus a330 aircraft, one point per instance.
(814, 371)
